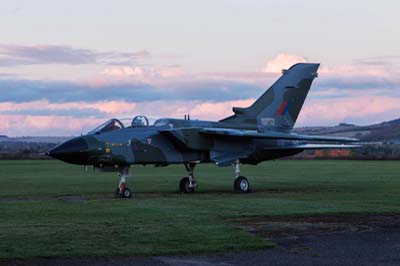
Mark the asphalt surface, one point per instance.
(379, 247)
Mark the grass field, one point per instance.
(37, 221)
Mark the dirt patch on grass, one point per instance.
(65, 198)
(293, 227)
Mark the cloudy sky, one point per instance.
(67, 66)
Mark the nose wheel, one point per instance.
(184, 185)
(126, 193)
(122, 191)
(241, 184)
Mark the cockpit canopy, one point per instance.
(115, 124)
(140, 121)
(110, 125)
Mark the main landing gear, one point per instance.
(241, 184)
(188, 184)
(122, 191)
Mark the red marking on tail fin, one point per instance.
(282, 108)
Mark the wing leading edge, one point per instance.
(228, 132)
(314, 147)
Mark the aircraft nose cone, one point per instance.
(72, 151)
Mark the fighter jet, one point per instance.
(251, 135)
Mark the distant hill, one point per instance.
(27, 147)
(380, 141)
(54, 140)
(385, 132)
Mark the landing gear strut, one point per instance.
(122, 191)
(188, 184)
(241, 184)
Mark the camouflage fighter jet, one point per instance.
(252, 135)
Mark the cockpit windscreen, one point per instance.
(110, 125)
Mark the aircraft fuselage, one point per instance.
(147, 145)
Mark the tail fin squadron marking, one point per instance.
(283, 108)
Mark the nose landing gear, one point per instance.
(122, 191)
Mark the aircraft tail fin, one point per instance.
(279, 107)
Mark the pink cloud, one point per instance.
(67, 125)
(357, 70)
(353, 108)
(96, 82)
(145, 74)
(109, 107)
(124, 71)
(23, 125)
(116, 108)
(337, 96)
(315, 112)
(217, 110)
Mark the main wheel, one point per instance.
(184, 185)
(241, 184)
(126, 193)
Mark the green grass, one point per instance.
(160, 221)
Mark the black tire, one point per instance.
(126, 193)
(241, 185)
(184, 185)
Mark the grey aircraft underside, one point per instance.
(251, 135)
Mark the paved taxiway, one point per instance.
(378, 247)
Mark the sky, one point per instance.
(66, 66)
